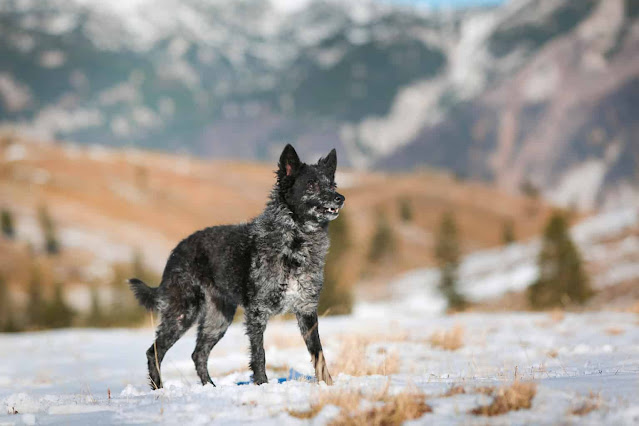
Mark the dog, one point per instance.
(270, 265)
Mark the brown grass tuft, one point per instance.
(557, 315)
(514, 397)
(450, 340)
(486, 390)
(395, 411)
(592, 403)
(353, 361)
(387, 409)
(615, 331)
(454, 390)
(552, 353)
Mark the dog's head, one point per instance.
(309, 190)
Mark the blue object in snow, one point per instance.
(292, 375)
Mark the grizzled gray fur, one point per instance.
(270, 265)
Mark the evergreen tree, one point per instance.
(336, 298)
(448, 255)
(57, 313)
(52, 245)
(405, 210)
(96, 316)
(6, 223)
(508, 232)
(562, 279)
(383, 242)
(7, 320)
(35, 303)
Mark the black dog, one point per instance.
(273, 264)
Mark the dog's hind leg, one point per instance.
(172, 327)
(214, 321)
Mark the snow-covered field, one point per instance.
(84, 376)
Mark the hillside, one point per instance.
(109, 204)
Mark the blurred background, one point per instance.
(488, 149)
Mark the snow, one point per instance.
(65, 376)
(490, 273)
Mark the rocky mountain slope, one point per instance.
(540, 91)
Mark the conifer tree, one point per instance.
(57, 313)
(51, 243)
(6, 223)
(562, 279)
(405, 210)
(7, 320)
(383, 241)
(448, 255)
(508, 232)
(35, 302)
(336, 298)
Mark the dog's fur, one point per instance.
(273, 264)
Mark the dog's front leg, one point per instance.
(255, 326)
(308, 327)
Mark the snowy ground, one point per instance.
(64, 377)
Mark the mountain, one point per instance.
(391, 86)
(564, 122)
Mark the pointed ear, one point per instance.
(289, 161)
(329, 163)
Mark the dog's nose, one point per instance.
(339, 199)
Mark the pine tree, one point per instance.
(57, 313)
(405, 210)
(96, 316)
(508, 232)
(52, 245)
(562, 279)
(336, 298)
(35, 302)
(6, 223)
(7, 320)
(383, 242)
(448, 254)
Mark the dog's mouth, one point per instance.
(331, 210)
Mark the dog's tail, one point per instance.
(147, 296)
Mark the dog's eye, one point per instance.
(312, 185)
(333, 186)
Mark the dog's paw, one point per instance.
(260, 380)
(321, 369)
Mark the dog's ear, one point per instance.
(289, 161)
(329, 163)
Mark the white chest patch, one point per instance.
(293, 294)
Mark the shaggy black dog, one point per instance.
(271, 265)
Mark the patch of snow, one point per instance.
(15, 152)
(15, 96)
(52, 58)
(580, 186)
(64, 376)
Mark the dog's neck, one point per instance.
(280, 214)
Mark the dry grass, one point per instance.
(557, 316)
(592, 403)
(386, 409)
(353, 360)
(449, 340)
(552, 353)
(615, 331)
(517, 396)
(454, 390)
(486, 390)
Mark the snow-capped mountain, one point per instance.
(381, 82)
